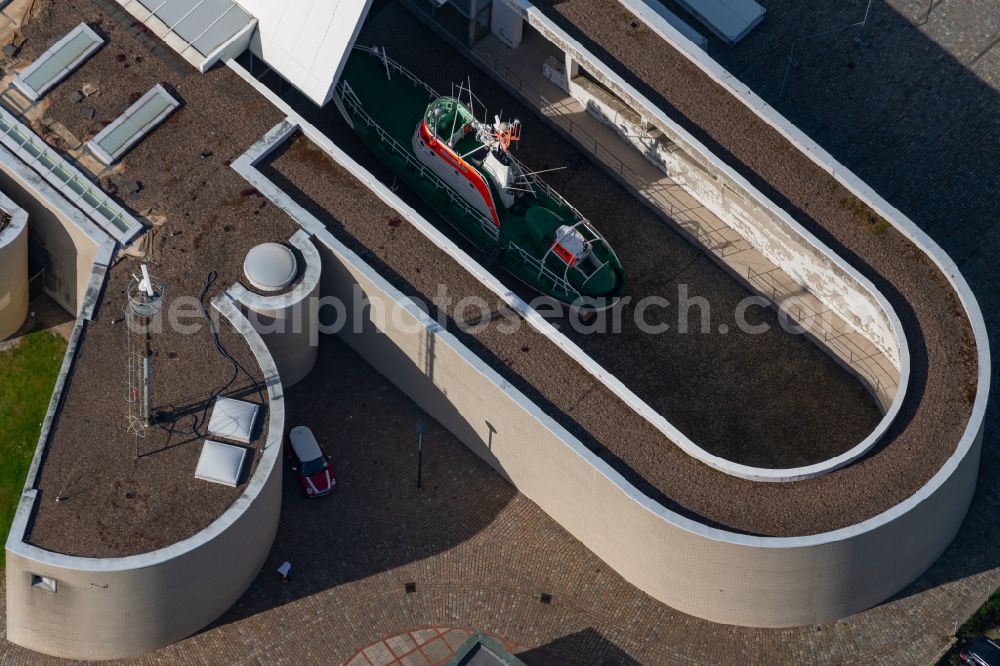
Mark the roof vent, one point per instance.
(220, 463)
(233, 419)
(270, 267)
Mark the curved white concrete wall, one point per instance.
(66, 239)
(117, 607)
(858, 288)
(709, 572)
(13, 269)
(287, 322)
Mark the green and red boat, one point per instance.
(463, 168)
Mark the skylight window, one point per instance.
(233, 419)
(111, 143)
(87, 196)
(58, 61)
(221, 463)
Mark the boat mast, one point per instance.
(454, 120)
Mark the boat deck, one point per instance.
(395, 105)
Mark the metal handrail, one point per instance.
(558, 281)
(393, 65)
(836, 339)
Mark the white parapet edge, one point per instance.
(846, 178)
(35, 94)
(700, 153)
(968, 440)
(308, 283)
(296, 122)
(58, 163)
(226, 306)
(244, 165)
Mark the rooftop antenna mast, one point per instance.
(145, 300)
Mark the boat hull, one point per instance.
(386, 115)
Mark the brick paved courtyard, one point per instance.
(480, 555)
(427, 646)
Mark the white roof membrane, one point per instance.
(307, 41)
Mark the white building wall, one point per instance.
(107, 608)
(711, 573)
(306, 41)
(13, 269)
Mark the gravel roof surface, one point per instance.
(943, 379)
(747, 397)
(200, 195)
(627, 441)
(113, 504)
(480, 554)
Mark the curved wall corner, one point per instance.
(775, 582)
(67, 242)
(13, 269)
(705, 571)
(118, 607)
(288, 322)
(715, 574)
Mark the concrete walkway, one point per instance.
(521, 70)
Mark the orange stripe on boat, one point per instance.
(463, 168)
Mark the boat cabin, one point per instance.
(452, 122)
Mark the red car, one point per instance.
(309, 464)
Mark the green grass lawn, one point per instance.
(27, 374)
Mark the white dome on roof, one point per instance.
(270, 267)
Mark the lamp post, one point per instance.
(421, 428)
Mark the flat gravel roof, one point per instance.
(112, 503)
(925, 433)
(942, 347)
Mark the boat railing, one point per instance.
(536, 181)
(576, 266)
(353, 104)
(559, 282)
(392, 65)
